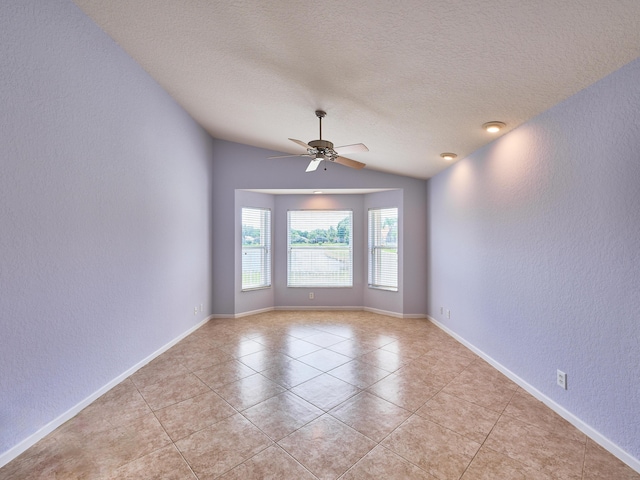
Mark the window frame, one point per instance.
(266, 260)
(348, 247)
(375, 247)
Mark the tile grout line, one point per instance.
(173, 443)
(414, 413)
(489, 434)
(234, 336)
(584, 459)
(166, 433)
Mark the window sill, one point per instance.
(387, 289)
(319, 286)
(255, 288)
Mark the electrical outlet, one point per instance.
(561, 379)
(195, 310)
(311, 296)
(448, 313)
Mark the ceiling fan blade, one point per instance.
(286, 156)
(356, 147)
(313, 165)
(347, 162)
(301, 143)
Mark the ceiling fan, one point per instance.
(319, 150)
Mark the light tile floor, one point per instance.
(317, 395)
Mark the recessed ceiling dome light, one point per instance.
(493, 127)
(448, 156)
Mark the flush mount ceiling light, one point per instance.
(318, 192)
(448, 156)
(493, 127)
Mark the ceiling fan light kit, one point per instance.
(320, 150)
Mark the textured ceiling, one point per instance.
(410, 79)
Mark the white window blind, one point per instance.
(256, 248)
(383, 248)
(319, 248)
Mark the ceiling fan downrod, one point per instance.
(320, 114)
(322, 149)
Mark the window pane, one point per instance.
(383, 248)
(319, 246)
(256, 248)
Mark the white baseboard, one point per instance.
(35, 437)
(383, 312)
(320, 308)
(414, 315)
(253, 312)
(394, 314)
(271, 309)
(589, 431)
(324, 308)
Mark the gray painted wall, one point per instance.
(108, 197)
(280, 295)
(104, 211)
(239, 166)
(535, 248)
(338, 297)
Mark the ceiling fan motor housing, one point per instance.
(321, 144)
